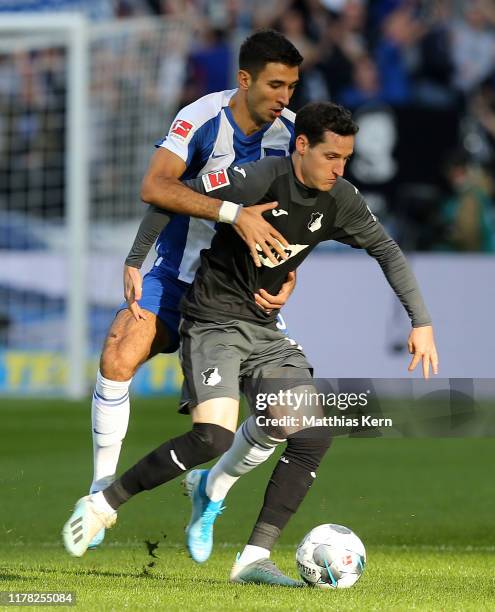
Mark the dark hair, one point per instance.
(267, 46)
(315, 118)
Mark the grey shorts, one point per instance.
(218, 358)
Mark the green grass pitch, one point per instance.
(424, 509)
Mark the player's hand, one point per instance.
(133, 290)
(421, 344)
(255, 231)
(274, 302)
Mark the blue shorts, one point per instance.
(161, 296)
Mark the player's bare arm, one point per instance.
(270, 302)
(162, 188)
(153, 222)
(163, 178)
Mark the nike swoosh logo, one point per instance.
(217, 156)
(278, 212)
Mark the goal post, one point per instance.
(93, 95)
(71, 31)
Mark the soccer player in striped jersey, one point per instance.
(218, 130)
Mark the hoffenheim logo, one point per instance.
(211, 377)
(315, 221)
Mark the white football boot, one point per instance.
(262, 571)
(85, 522)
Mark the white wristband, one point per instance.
(228, 212)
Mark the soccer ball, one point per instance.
(331, 557)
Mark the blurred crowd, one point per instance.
(419, 74)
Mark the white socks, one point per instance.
(253, 553)
(110, 418)
(101, 503)
(250, 448)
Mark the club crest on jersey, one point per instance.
(181, 129)
(211, 377)
(315, 221)
(215, 180)
(291, 251)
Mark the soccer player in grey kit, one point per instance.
(227, 338)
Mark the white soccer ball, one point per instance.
(331, 557)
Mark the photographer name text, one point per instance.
(329, 421)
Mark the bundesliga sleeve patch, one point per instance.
(215, 180)
(181, 129)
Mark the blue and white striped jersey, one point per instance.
(205, 135)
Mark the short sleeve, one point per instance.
(246, 183)
(181, 138)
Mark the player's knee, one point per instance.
(213, 440)
(117, 364)
(307, 448)
(263, 433)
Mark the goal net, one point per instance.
(81, 106)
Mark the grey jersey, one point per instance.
(227, 278)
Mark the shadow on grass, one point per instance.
(11, 577)
(139, 575)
